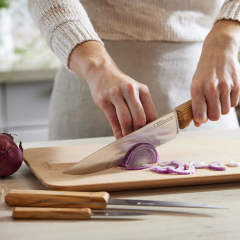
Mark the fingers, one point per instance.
(225, 101)
(199, 106)
(148, 105)
(140, 105)
(213, 101)
(123, 113)
(112, 117)
(234, 95)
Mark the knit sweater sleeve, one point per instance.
(230, 10)
(64, 24)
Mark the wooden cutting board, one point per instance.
(49, 163)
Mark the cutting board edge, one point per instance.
(146, 184)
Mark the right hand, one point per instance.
(126, 103)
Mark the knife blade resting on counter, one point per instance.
(65, 213)
(93, 200)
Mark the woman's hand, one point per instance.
(215, 85)
(126, 103)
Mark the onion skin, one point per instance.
(11, 156)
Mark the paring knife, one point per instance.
(156, 133)
(93, 200)
(64, 213)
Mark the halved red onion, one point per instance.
(199, 164)
(233, 164)
(217, 166)
(139, 156)
(144, 166)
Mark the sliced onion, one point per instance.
(217, 166)
(159, 169)
(175, 167)
(233, 164)
(139, 156)
(199, 164)
(183, 169)
(165, 163)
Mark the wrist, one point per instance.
(225, 35)
(88, 58)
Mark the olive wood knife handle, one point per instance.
(57, 199)
(184, 113)
(51, 213)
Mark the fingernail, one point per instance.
(119, 137)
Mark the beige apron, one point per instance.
(166, 68)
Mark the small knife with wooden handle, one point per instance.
(93, 200)
(158, 132)
(65, 213)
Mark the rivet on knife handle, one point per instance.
(185, 115)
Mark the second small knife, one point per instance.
(65, 213)
(94, 200)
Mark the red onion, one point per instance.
(159, 169)
(139, 156)
(199, 164)
(165, 163)
(217, 166)
(174, 167)
(10, 155)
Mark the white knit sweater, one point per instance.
(65, 23)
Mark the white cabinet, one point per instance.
(25, 110)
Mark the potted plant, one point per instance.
(6, 41)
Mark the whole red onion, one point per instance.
(11, 156)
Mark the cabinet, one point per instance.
(24, 110)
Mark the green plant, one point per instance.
(4, 3)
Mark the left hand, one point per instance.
(216, 82)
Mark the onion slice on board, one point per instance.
(159, 169)
(139, 157)
(233, 164)
(217, 165)
(199, 164)
(182, 169)
(175, 167)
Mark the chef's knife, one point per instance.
(93, 200)
(65, 213)
(156, 133)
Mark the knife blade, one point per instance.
(65, 213)
(158, 132)
(93, 200)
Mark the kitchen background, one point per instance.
(27, 70)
